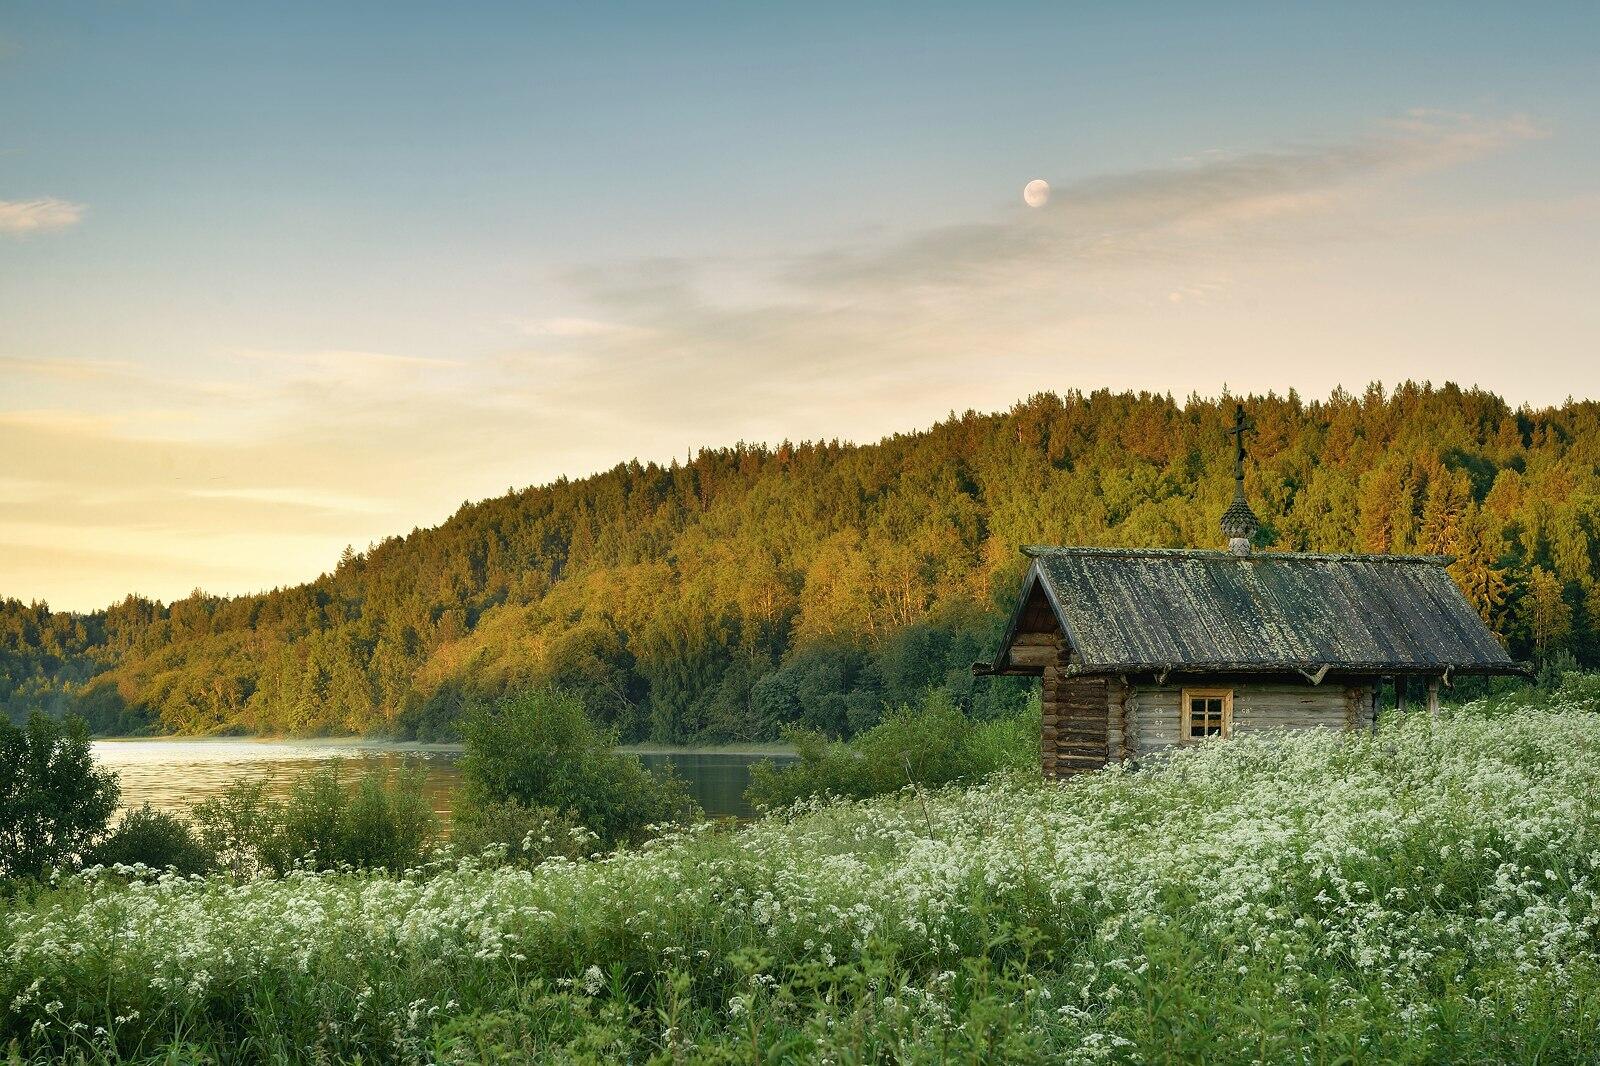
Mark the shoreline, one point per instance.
(774, 748)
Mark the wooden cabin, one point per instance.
(1143, 649)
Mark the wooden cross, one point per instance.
(1240, 428)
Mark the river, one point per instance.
(174, 775)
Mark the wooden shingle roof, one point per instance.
(1136, 610)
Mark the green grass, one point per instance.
(1425, 895)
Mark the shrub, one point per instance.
(381, 821)
(54, 801)
(239, 827)
(1579, 688)
(388, 821)
(1007, 743)
(518, 835)
(156, 839)
(540, 749)
(931, 744)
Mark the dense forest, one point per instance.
(757, 586)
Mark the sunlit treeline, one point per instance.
(757, 586)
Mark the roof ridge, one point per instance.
(1036, 550)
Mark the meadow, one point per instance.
(1423, 894)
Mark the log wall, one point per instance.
(1081, 726)
(1155, 713)
(1076, 724)
(1090, 721)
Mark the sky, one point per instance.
(278, 278)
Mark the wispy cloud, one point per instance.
(37, 216)
(294, 496)
(65, 369)
(1155, 213)
(361, 373)
(342, 360)
(62, 420)
(571, 327)
(901, 316)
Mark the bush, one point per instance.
(156, 839)
(239, 827)
(1579, 688)
(540, 749)
(54, 801)
(932, 744)
(388, 821)
(517, 835)
(382, 821)
(1550, 670)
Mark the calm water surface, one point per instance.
(174, 775)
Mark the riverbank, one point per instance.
(774, 748)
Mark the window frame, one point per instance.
(1186, 735)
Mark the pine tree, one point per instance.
(1477, 568)
(1449, 493)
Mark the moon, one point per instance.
(1036, 193)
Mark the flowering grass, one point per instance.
(1426, 894)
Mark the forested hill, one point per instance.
(813, 583)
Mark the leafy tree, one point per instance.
(1546, 613)
(54, 800)
(1478, 549)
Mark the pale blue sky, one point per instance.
(276, 278)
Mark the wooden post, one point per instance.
(1400, 694)
(1050, 718)
(1433, 697)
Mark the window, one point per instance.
(1207, 712)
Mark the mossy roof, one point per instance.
(1131, 610)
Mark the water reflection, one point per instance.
(174, 775)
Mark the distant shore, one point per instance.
(774, 747)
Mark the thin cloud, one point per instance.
(965, 286)
(572, 327)
(340, 361)
(905, 319)
(60, 420)
(19, 217)
(1147, 213)
(359, 380)
(66, 369)
(315, 499)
